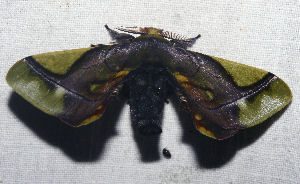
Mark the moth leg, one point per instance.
(184, 43)
(119, 37)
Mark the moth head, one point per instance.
(141, 30)
(152, 31)
(124, 37)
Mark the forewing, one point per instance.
(225, 97)
(74, 85)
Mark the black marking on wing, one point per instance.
(39, 70)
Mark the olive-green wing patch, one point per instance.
(264, 104)
(236, 70)
(42, 94)
(60, 62)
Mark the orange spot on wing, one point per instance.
(200, 123)
(181, 78)
(197, 117)
(201, 127)
(98, 113)
(122, 73)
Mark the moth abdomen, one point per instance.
(147, 88)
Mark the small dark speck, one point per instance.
(166, 153)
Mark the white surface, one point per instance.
(35, 148)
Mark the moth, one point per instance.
(222, 96)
